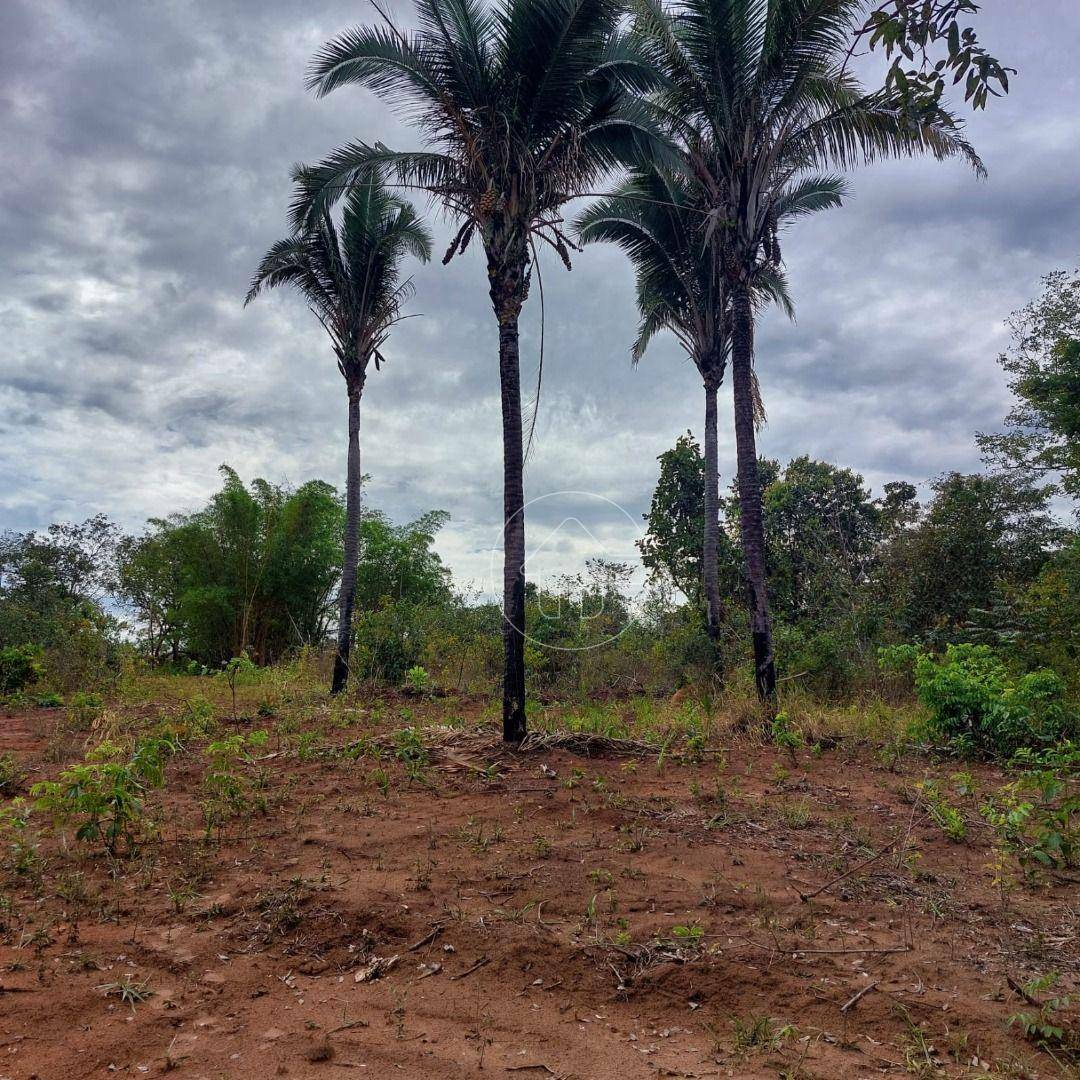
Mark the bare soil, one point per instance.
(538, 914)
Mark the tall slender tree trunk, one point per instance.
(714, 609)
(751, 526)
(506, 271)
(513, 536)
(347, 596)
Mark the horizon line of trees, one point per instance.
(257, 570)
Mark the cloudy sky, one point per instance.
(146, 150)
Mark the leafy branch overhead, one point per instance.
(931, 45)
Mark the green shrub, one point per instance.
(230, 789)
(390, 641)
(197, 716)
(942, 813)
(784, 735)
(18, 844)
(417, 679)
(11, 775)
(83, 709)
(104, 795)
(1036, 816)
(20, 667)
(828, 660)
(978, 707)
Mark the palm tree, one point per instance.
(522, 106)
(351, 279)
(757, 93)
(661, 220)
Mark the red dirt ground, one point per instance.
(501, 900)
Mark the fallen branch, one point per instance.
(1017, 988)
(856, 998)
(476, 967)
(586, 744)
(796, 951)
(805, 897)
(427, 939)
(347, 1026)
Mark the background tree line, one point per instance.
(985, 559)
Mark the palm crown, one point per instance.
(757, 92)
(351, 276)
(522, 106)
(660, 218)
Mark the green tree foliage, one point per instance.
(1045, 616)
(1042, 433)
(398, 563)
(20, 666)
(983, 562)
(672, 544)
(254, 571)
(581, 611)
(979, 535)
(822, 531)
(976, 704)
(932, 44)
(54, 588)
(404, 599)
(150, 582)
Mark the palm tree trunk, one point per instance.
(710, 554)
(751, 525)
(509, 287)
(513, 534)
(347, 597)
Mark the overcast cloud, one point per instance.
(146, 151)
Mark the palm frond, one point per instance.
(350, 272)
(318, 187)
(809, 195)
(397, 66)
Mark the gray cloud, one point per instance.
(149, 147)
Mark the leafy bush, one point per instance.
(827, 659)
(83, 709)
(1045, 1028)
(417, 679)
(390, 641)
(11, 775)
(942, 813)
(230, 790)
(1035, 816)
(233, 671)
(978, 707)
(197, 716)
(18, 846)
(104, 795)
(784, 735)
(20, 667)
